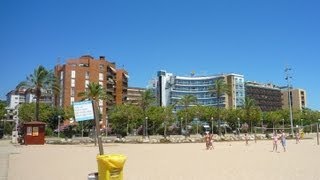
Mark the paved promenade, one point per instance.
(6, 148)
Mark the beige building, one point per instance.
(134, 95)
(298, 99)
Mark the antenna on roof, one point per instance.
(192, 73)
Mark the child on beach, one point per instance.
(275, 141)
(283, 141)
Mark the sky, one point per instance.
(258, 39)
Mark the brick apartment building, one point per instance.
(76, 74)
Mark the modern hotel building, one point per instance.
(171, 88)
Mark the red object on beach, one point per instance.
(33, 132)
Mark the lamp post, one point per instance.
(211, 125)
(318, 124)
(146, 129)
(181, 124)
(283, 124)
(238, 125)
(301, 123)
(288, 77)
(59, 118)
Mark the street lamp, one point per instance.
(301, 122)
(283, 124)
(238, 125)
(59, 118)
(288, 77)
(181, 124)
(146, 129)
(211, 125)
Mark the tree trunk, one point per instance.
(96, 110)
(38, 95)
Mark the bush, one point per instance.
(48, 131)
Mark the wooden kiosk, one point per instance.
(33, 132)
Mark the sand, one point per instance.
(228, 161)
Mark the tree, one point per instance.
(27, 110)
(251, 111)
(41, 80)
(147, 99)
(2, 109)
(125, 116)
(95, 93)
(218, 90)
(186, 101)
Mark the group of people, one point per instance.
(283, 140)
(282, 136)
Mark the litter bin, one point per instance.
(110, 167)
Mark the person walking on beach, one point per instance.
(275, 141)
(211, 141)
(283, 141)
(297, 137)
(246, 138)
(207, 140)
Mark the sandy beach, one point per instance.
(227, 161)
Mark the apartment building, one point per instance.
(266, 96)
(298, 98)
(76, 74)
(171, 88)
(134, 95)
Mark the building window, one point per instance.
(87, 83)
(87, 75)
(72, 91)
(101, 76)
(71, 100)
(61, 75)
(101, 66)
(101, 83)
(73, 82)
(73, 74)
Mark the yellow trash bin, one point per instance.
(110, 167)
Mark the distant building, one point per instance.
(134, 95)
(266, 96)
(171, 88)
(298, 98)
(19, 96)
(76, 74)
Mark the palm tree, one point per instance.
(249, 107)
(41, 80)
(186, 101)
(147, 99)
(95, 93)
(218, 90)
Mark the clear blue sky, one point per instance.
(255, 38)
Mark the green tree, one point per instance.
(27, 110)
(147, 100)
(95, 93)
(41, 80)
(124, 118)
(251, 111)
(274, 117)
(218, 90)
(186, 101)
